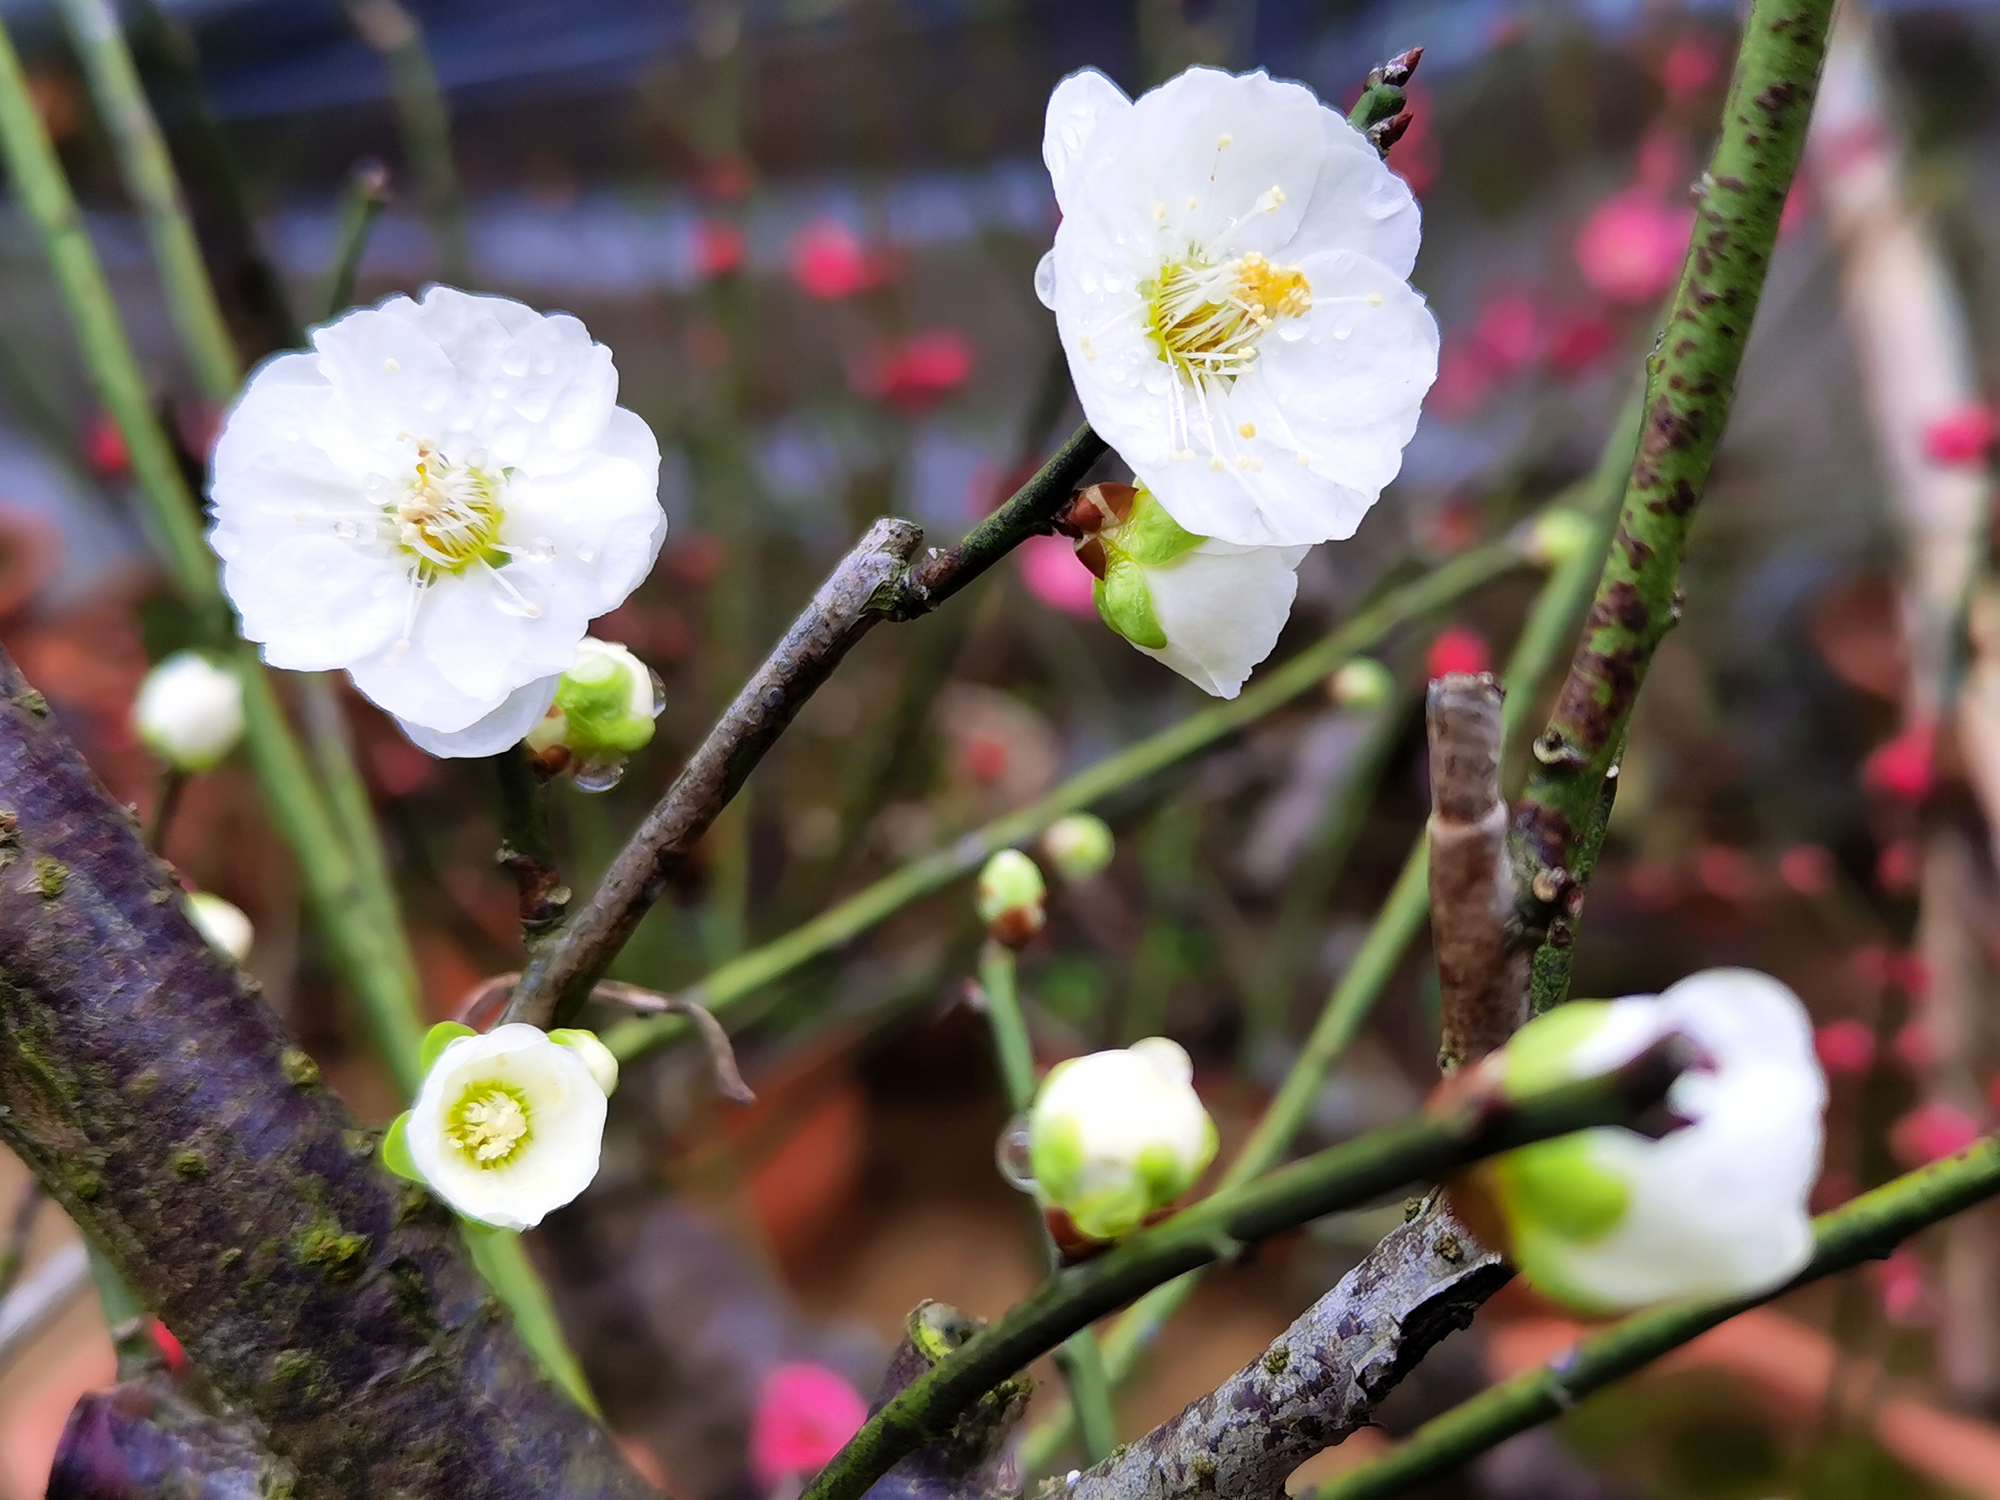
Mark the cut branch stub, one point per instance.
(967, 1463)
(1483, 981)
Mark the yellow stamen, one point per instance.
(489, 1124)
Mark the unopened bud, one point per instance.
(1079, 846)
(596, 1056)
(603, 711)
(222, 923)
(1556, 536)
(1010, 897)
(1362, 683)
(189, 711)
(1115, 1135)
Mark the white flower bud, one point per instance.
(1115, 1135)
(506, 1127)
(1605, 1220)
(189, 711)
(222, 923)
(596, 1056)
(1079, 846)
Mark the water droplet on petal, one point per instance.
(659, 692)
(1010, 1155)
(1045, 280)
(1292, 330)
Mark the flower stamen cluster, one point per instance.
(489, 1124)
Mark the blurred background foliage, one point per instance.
(807, 229)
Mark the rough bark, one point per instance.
(1322, 1379)
(1483, 984)
(144, 1440)
(161, 1104)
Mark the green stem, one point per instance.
(503, 1261)
(353, 811)
(1080, 1359)
(1691, 380)
(1396, 926)
(366, 196)
(149, 179)
(166, 802)
(1425, 1148)
(839, 924)
(1867, 1228)
(424, 121)
(128, 1319)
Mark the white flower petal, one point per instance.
(1080, 103)
(1222, 609)
(507, 725)
(1359, 204)
(314, 601)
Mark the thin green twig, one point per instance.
(1867, 1228)
(839, 924)
(360, 206)
(1425, 1148)
(424, 120)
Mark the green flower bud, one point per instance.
(603, 711)
(1079, 846)
(1556, 536)
(1010, 897)
(1362, 683)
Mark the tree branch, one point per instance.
(1866, 1228)
(1479, 1121)
(1484, 985)
(1321, 1380)
(966, 1463)
(144, 1440)
(162, 1106)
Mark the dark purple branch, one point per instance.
(144, 1440)
(161, 1104)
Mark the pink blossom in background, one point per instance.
(1457, 649)
(829, 261)
(1964, 436)
(1662, 165)
(1726, 873)
(1691, 65)
(919, 372)
(1508, 333)
(1845, 1048)
(1912, 1046)
(1416, 158)
(1054, 575)
(1896, 867)
(1798, 208)
(1931, 1132)
(104, 448)
(1578, 341)
(1807, 869)
(1882, 967)
(1903, 1283)
(1464, 381)
(1630, 248)
(718, 248)
(1903, 768)
(805, 1413)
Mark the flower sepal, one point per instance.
(602, 714)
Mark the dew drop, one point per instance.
(586, 555)
(1343, 334)
(599, 775)
(659, 692)
(1010, 1155)
(1292, 331)
(541, 549)
(1045, 280)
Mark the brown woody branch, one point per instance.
(1484, 985)
(162, 1106)
(874, 582)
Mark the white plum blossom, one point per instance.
(437, 497)
(1208, 609)
(1230, 283)
(1114, 1135)
(508, 1126)
(222, 924)
(189, 711)
(1606, 1220)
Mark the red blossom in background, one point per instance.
(829, 262)
(917, 373)
(104, 448)
(1903, 1283)
(1457, 650)
(1904, 767)
(805, 1414)
(1577, 341)
(1630, 248)
(1913, 1048)
(1726, 873)
(1896, 867)
(1807, 869)
(1964, 436)
(1691, 65)
(1053, 574)
(719, 248)
(1931, 1132)
(1845, 1048)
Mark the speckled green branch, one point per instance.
(1691, 381)
(159, 1101)
(150, 181)
(1425, 1148)
(841, 923)
(1867, 1228)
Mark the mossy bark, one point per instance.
(164, 1107)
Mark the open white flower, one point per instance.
(1605, 1220)
(189, 711)
(438, 497)
(1230, 285)
(507, 1126)
(1114, 1135)
(1210, 610)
